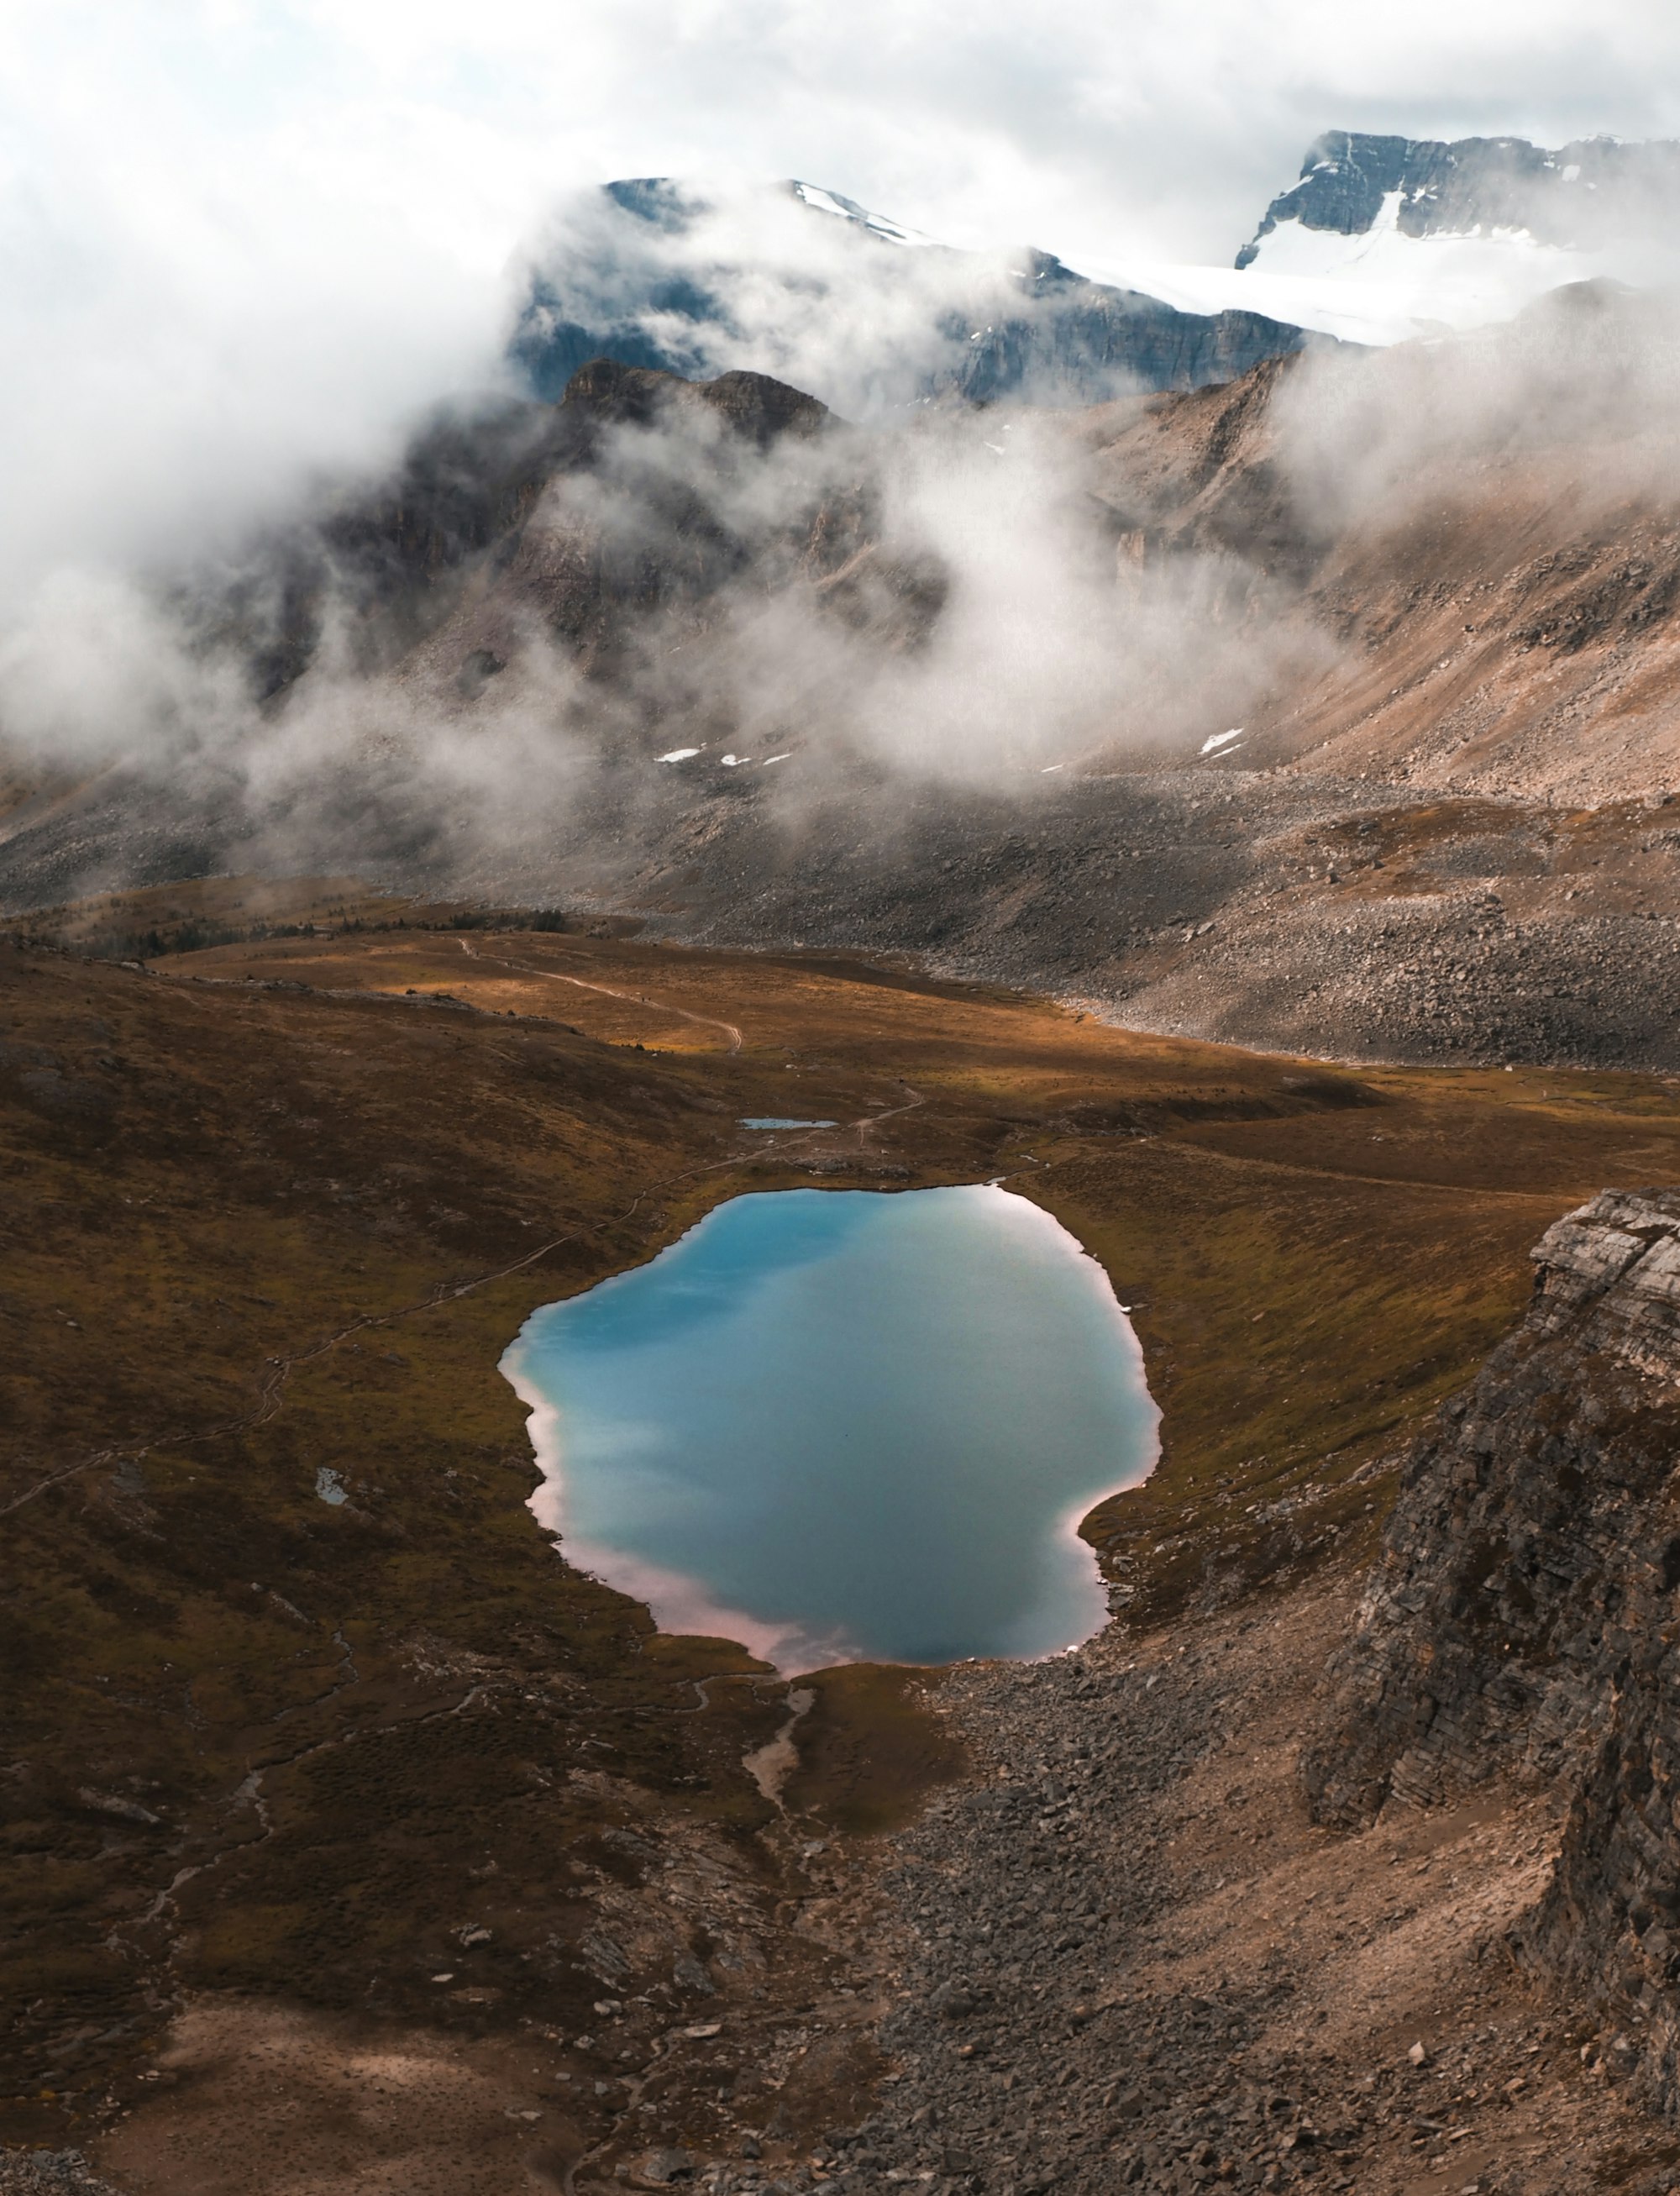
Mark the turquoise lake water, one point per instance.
(844, 1426)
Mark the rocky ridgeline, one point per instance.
(1592, 190)
(641, 275)
(1523, 1618)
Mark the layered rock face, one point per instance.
(1524, 1618)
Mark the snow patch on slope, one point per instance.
(1381, 286)
(831, 202)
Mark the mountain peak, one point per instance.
(1576, 196)
(802, 285)
(754, 404)
(875, 224)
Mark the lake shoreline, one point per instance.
(1068, 1285)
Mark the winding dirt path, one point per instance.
(891, 1114)
(634, 998)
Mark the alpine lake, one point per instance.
(845, 1426)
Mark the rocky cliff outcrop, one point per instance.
(1049, 336)
(1523, 1620)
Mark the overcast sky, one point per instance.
(242, 238)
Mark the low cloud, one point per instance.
(1579, 395)
(789, 280)
(945, 602)
(253, 244)
(245, 263)
(962, 600)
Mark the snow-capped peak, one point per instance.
(1381, 238)
(831, 202)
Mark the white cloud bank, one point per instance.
(245, 243)
(241, 241)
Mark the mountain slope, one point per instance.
(1329, 709)
(1502, 595)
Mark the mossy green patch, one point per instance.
(871, 1747)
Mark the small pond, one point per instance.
(845, 1425)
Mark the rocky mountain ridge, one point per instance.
(657, 273)
(1589, 191)
(1436, 824)
(1520, 1624)
(382, 566)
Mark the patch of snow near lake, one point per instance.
(1217, 740)
(679, 755)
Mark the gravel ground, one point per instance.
(1347, 918)
(1119, 1955)
(1115, 1955)
(48, 2173)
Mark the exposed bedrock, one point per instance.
(1523, 1620)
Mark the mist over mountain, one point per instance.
(1385, 238)
(1593, 192)
(654, 644)
(792, 279)
(1381, 238)
(572, 705)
